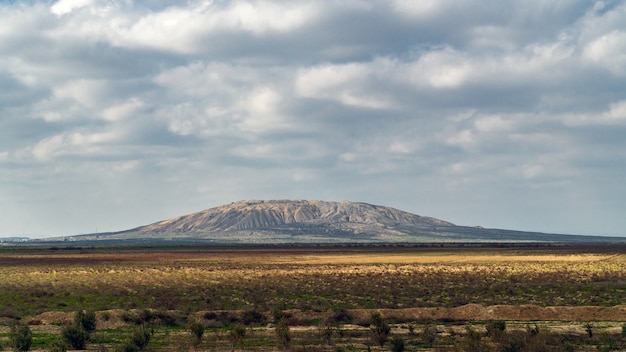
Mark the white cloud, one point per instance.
(351, 84)
(614, 115)
(317, 81)
(492, 124)
(85, 144)
(63, 7)
(84, 91)
(47, 148)
(531, 170)
(617, 111)
(448, 68)
(403, 146)
(230, 99)
(126, 166)
(263, 16)
(609, 51)
(464, 139)
(420, 9)
(304, 175)
(348, 157)
(263, 111)
(189, 29)
(123, 110)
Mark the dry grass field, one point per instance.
(321, 291)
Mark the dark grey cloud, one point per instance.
(504, 113)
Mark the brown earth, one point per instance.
(475, 312)
(470, 312)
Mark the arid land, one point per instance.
(565, 290)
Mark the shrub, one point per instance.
(380, 329)
(342, 316)
(210, 316)
(495, 328)
(429, 334)
(397, 344)
(512, 346)
(283, 334)
(411, 328)
(472, 341)
(253, 317)
(58, 346)
(533, 331)
(169, 318)
(9, 312)
(141, 337)
(138, 340)
(534, 339)
(127, 317)
(146, 316)
(197, 330)
(21, 338)
(236, 337)
(589, 330)
(75, 336)
(85, 320)
(106, 316)
(227, 318)
(327, 330)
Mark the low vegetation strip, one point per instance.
(469, 312)
(417, 329)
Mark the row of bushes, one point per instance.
(496, 338)
(76, 335)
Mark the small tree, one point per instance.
(327, 331)
(138, 340)
(21, 338)
(283, 334)
(589, 330)
(472, 341)
(86, 320)
(197, 330)
(236, 337)
(429, 334)
(380, 329)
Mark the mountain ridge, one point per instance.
(316, 221)
(251, 214)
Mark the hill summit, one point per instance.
(315, 221)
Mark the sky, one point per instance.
(498, 113)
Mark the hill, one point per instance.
(312, 221)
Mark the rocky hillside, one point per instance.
(258, 214)
(312, 221)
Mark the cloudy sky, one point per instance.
(504, 113)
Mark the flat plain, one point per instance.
(433, 297)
